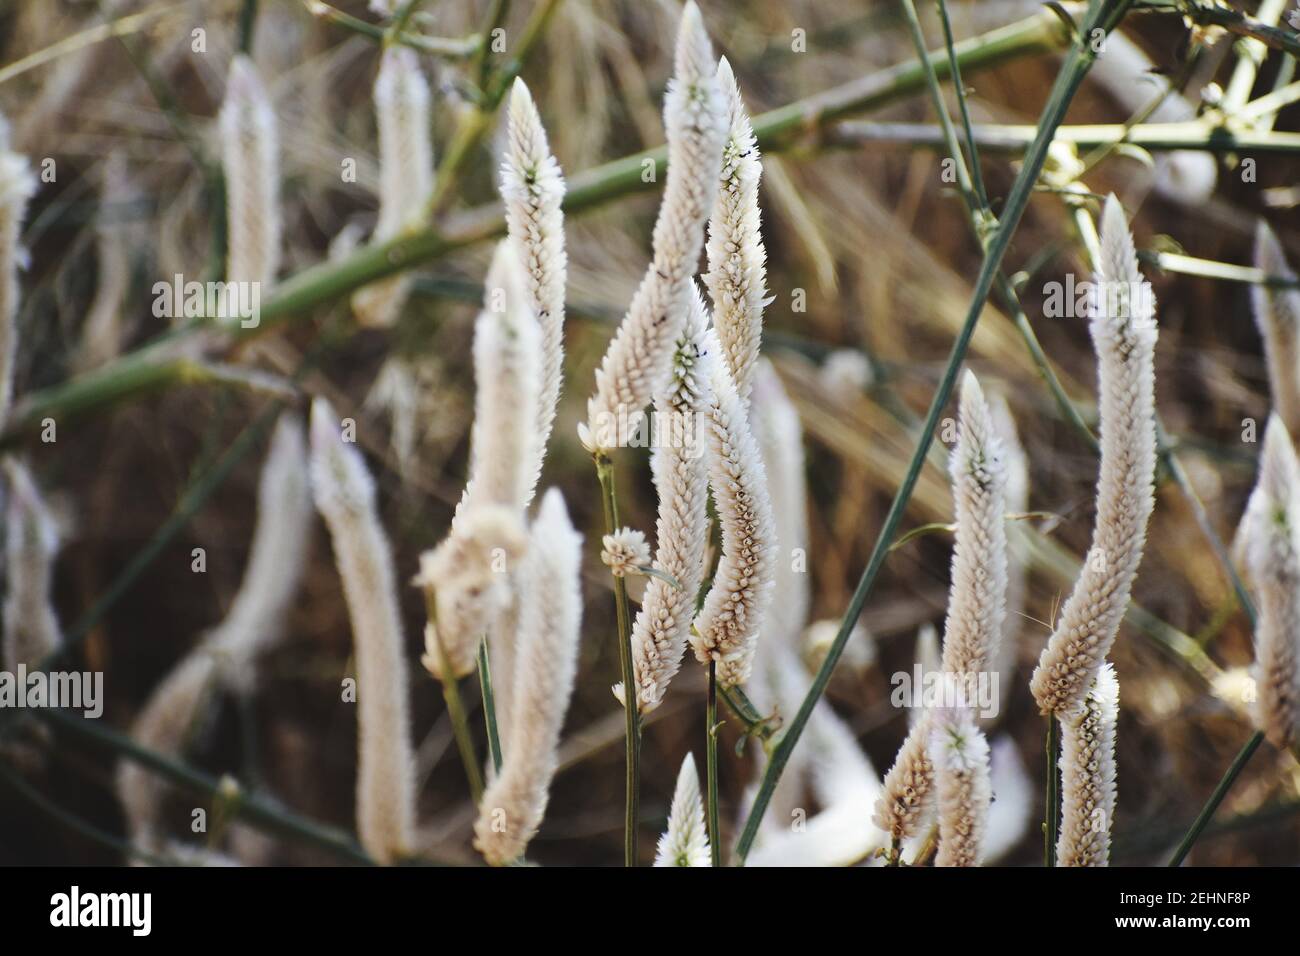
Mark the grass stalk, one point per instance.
(264, 815)
(632, 728)
(489, 706)
(711, 765)
(1104, 15)
(456, 709)
(1216, 798)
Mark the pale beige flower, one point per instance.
(1088, 774)
(550, 621)
(660, 628)
(960, 756)
(727, 627)
(532, 189)
(405, 173)
(17, 186)
(737, 259)
(625, 552)
(1277, 316)
(686, 841)
(637, 364)
(977, 597)
(1124, 334)
(31, 628)
(1271, 539)
(345, 497)
(250, 160)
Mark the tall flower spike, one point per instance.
(466, 576)
(405, 172)
(960, 754)
(659, 631)
(276, 560)
(1088, 774)
(345, 497)
(31, 542)
(637, 363)
(250, 159)
(532, 188)
(1277, 315)
(550, 617)
(1272, 555)
(17, 186)
(775, 421)
(977, 598)
(726, 629)
(686, 841)
(1124, 334)
(1017, 503)
(909, 786)
(507, 377)
(103, 330)
(737, 259)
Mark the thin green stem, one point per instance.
(632, 717)
(455, 706)
(489, 705)
(1216, 798)
(954, 65)
(1052, 801)
(711, 765)
(263, 814)
(1102, 15)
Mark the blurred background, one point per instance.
(870, 263)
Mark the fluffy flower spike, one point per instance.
(686, 841)
(961, 771)
(726, 629)
(659, 631)
(31, 542)
(1272, 552)
(17, 186)
(405, 172)
(737, 258)
(1277, 315)
(1088, 774)
(1124, 335)
(625, 552)
(532, 188)
(550, 622)
(638, 362)
(977, 599)
(251, 163)
(345, 497)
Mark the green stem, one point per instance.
(1102, 15)
(260, 813)
(711, 764)
(632, 728)
(455, 706)
(489, 705)
(1216, 798)
(1052, 802)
